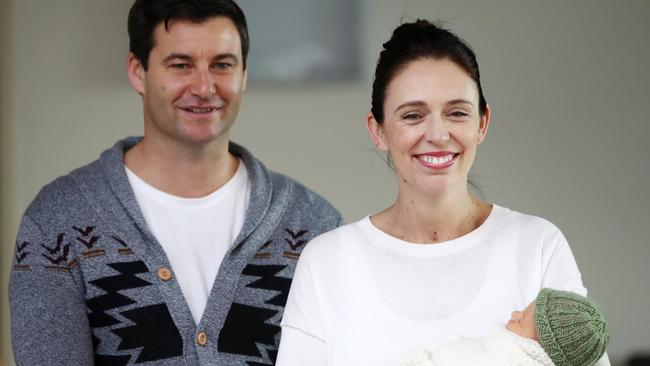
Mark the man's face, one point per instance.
(193, 86)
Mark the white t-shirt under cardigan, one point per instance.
(196, 233)
(362, 297)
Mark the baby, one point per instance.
(559, 328)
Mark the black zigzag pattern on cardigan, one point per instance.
(273, 355)
(106, 360)
(112, 299)
(153, 330)
(246, 326)
(269, 281)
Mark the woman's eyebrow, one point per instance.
(415, 103)
(460, 101)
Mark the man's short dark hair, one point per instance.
(145, 15)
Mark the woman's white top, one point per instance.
(362, 297)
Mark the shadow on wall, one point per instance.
(639, 360)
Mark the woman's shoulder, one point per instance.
(516, 220)
(518, 227)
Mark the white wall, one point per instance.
(567, 83)
(5, 249)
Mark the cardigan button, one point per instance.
(164, 274)
(202, 338)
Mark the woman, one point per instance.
(440, 263)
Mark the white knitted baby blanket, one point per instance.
(500, 348)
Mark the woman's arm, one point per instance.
(562, 273)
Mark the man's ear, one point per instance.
(484, 124)
(136, 73)
(376, 132)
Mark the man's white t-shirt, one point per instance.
(196, 233)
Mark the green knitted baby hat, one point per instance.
(571, 329)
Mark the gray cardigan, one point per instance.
(91, 284)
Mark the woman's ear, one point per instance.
(484, 124)
(376, 132)
(136, 73)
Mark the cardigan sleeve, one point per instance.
(49, 322)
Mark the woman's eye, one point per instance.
(412, 116)
(458, 114)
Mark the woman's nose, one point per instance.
(437, 132)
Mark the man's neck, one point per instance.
(182, 170)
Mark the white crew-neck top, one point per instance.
(195, 233)
(363, 297)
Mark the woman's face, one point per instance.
(432, 125)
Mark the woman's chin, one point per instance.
(437, 185)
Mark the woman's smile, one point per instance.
(437, 160)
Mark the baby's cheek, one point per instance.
(535, 335)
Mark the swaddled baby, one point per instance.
(559, 328)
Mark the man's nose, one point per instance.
(203, 85)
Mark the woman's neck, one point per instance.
(424, 218)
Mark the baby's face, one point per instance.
(522, 322)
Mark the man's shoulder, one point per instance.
(305, 206)
(286, 191)
(67, 191)
(298, 190)
(63, 187)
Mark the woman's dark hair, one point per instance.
(145, 15)
(417, 40)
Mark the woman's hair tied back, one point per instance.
(417, 40)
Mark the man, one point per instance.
(177, 248)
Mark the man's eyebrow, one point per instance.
(226, 56)
(184, 57)
(415, 103)
(177, 56)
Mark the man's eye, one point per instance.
(222, 66)
(180, 66)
